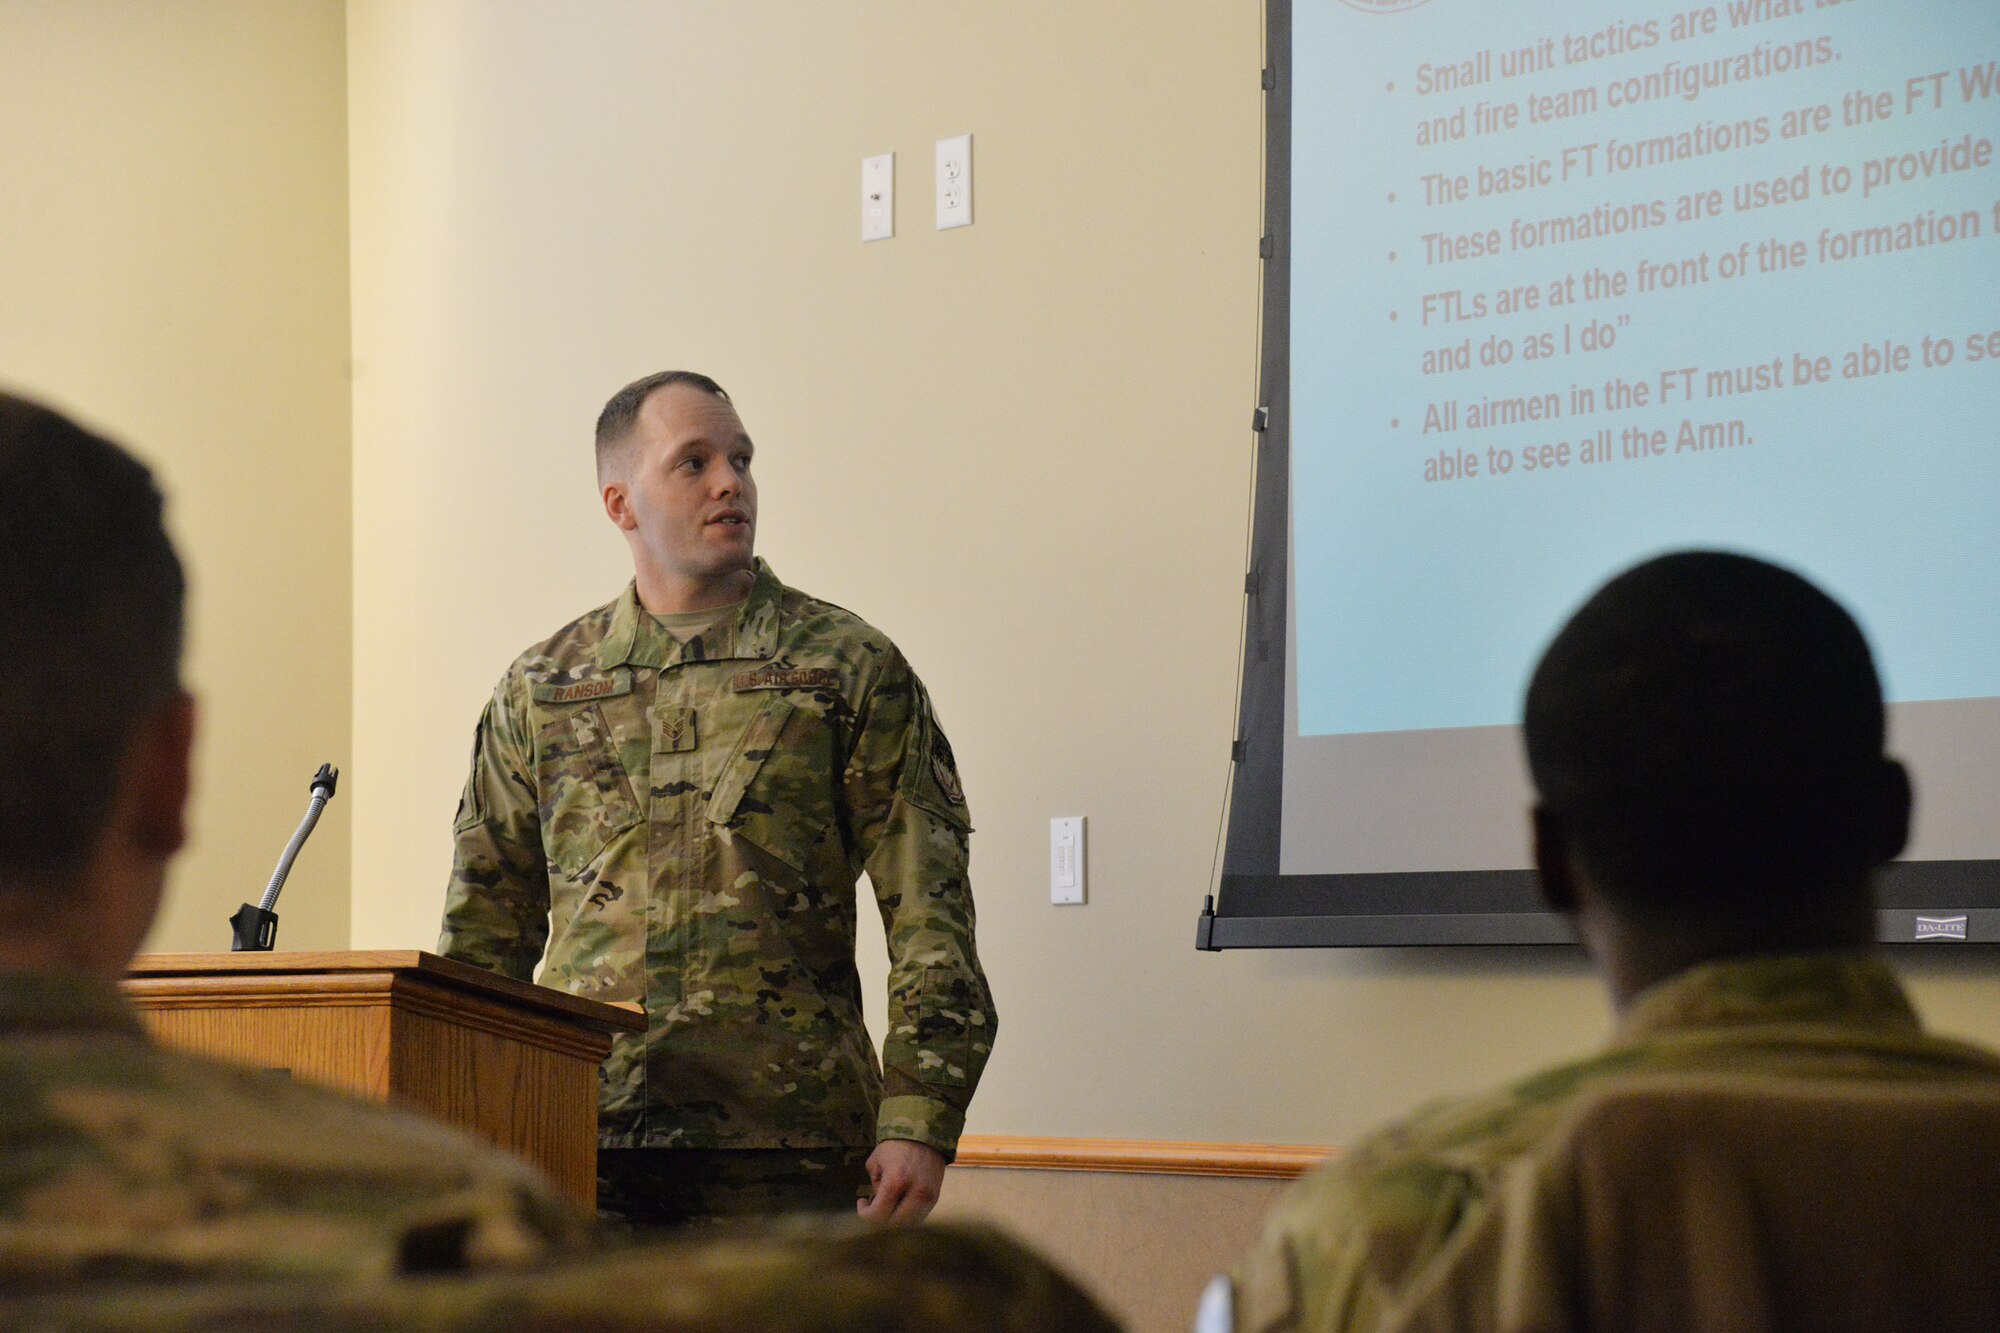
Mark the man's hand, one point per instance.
(908, 1177)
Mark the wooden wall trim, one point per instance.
(1260, 1161)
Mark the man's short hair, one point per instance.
(614, 423)
(1709, 726)
(90, 633)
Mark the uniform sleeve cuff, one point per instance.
(920, 1120)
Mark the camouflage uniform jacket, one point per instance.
(788, 1279)
(122, 1160)
(1348, 1243)
(684, 824)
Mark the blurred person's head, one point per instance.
(1706, 740)
(95, 729)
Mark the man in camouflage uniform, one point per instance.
(120, 1160)
(670, 803)
(1706, 739)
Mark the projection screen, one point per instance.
(1547, 291)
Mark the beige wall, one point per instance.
(1144, 1245)
(173, 271)
(1020, 448)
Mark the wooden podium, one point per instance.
(516, 1064)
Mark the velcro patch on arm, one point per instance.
(930, 777)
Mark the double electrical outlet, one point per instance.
(954, 189)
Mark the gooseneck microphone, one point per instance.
(256, 928)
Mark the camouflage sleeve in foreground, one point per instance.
(496, 911)
(1337, 1249)
(121, 1161)
(911, 826)
(798, 1280)
(1345, 1245)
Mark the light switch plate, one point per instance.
(954, 182)
(878, 197)
(1066, 860)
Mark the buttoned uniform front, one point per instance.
(684, 824)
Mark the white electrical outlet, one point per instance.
(878, 197)
(954, 182)
(1066, 860)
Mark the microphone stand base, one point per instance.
(256, 930)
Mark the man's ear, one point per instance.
(618, 504)
(1555, 870)
(1893, 811)
(160, 777)
(159, 773)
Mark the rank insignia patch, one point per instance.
(677, 730)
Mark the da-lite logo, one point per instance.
(1941, 927)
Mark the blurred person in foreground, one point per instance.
(1706, 738)
(804, 1276)
(119, 1158)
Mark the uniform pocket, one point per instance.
(586, 799)
(775, 790)
(930, 771)
(944, 1028)
(472, 802)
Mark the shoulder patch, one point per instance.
(944, 768)
(580, 691)
(775, 677)
(930, 770)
